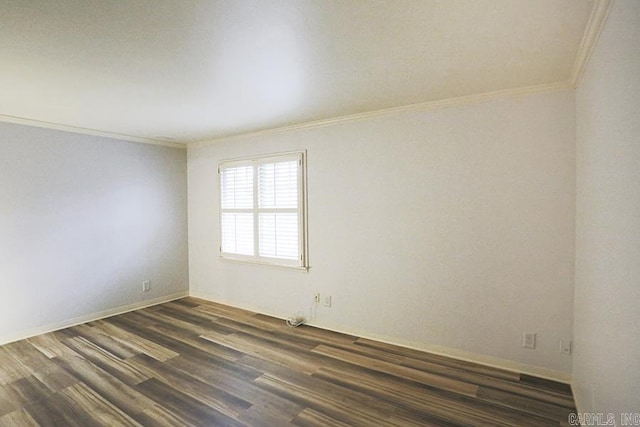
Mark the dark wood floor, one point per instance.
(192, 362)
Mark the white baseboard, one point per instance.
(576, 399)
(89, 318)
(491, 361)
(454, 353)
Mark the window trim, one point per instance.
(303, 241)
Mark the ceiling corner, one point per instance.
(592, 32)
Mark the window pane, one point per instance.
(278, 185)
(236, 186)
(279, 235)
(237, 233)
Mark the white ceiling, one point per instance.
(192, 70)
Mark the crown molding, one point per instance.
(87, 131)
(591, 35)
(424, 106)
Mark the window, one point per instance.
(262, 210)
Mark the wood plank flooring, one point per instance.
(195, 363)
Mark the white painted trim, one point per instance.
(597, 19)
(424, 106)
(481, 359)
(86, 131)
(576, 399)
(385, 112)
(89, 318)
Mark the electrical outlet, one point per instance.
(327, 301)
(146, 286)
(565, 347)
(316, 298)
(529, 340)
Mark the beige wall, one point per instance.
(607, 310)
(445, 228)
(83, 221)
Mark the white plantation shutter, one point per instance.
(279, 235)
(236, 188)
(277, 209)
(278, 185)
(262, 210)
(237, 233)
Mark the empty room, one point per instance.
(319, 212)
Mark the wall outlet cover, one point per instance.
(529, 340)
